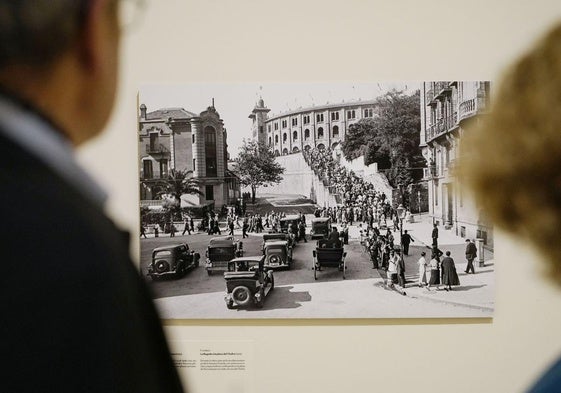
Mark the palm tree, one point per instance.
(176, 184)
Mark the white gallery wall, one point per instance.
(180, 41)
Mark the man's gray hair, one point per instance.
(34, 32)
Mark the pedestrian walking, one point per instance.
(422, 262)
(400, 270)
(302, 231)
(231, 226)
(449, 275)
(435, 236)
(142, 230)
(434, 272)
(471, 253)
(171, 229)
(186, 227)
(392, 269)
(406, 239)
(192, 224)
(156, 230)
(244, 229)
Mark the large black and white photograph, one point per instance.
(312, 200)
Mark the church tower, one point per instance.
(259, 117)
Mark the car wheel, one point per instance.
(241, 295)
(230, 304)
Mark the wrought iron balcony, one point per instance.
(156, 148)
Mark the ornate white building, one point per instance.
(173, 138)
(319, 126)
(446, 108)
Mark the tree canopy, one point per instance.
(391, 138)
(257, 166)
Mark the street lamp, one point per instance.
(419, 202)
(400, 214)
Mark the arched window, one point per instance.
(306, 134)
(276, 139)
(320, 132)
(295, 135)
(284, 137)
(270, 141)
(295, 149)
(284, 151)
(321, 146)
(335, 131)
(277, 153)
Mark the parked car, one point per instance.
(250, 283)
(172, 260)
(268, 237)
(328, 254)
(278, 253)
(320, 228)
(220, 251)
(289, 221)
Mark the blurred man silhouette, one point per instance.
(76, 315)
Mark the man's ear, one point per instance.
(91, 38)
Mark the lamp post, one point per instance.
(400, 214)
(419, 202)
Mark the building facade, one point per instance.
(446, 108)
(319, 126)
(173, 138)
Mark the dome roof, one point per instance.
(261, 103)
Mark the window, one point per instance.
(351, 114)
(284, 137)
(335, 132)
(209, 193)
(334, 116)
(306, 119)
(270, 141)
(276, 126)
(306, 134)
(193, 137)
(295, 135)
(276, 139)
(294, 121)
(194, 166)
(163, 168)
(260, 129)
(320, 132)
(284, 124)
(210, 151)
(368, 112)
(147, 166)
(319, 118)
(269, 128)
(153, 141)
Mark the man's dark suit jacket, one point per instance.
(76, 316)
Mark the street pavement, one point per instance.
(361, 295)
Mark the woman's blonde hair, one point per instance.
(513, 159)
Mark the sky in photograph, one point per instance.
(234, 102)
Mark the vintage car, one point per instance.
(320, 228)
(220, 251)
(249, 283)
(172, 261)
(328, 254)
(278, 253)
(287, 222)
(273, 236)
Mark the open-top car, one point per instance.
(249, 283)
(268, 237)
(320, 228)
(173, 260)
(220, 251)
(329, 254)
(278, 253)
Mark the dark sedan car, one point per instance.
(172, 261)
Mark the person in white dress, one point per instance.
(422, 270)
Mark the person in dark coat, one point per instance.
(449, 275)
(400, 270)
(471, 253)
(76, 314)
(302, 231)
(434, 236)
(406, 239)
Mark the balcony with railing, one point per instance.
(157, 148)
(442, 88)
(442, 126)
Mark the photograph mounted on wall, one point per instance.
(312, 200)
